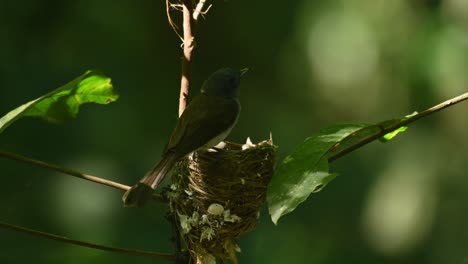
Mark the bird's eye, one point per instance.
(232, 81)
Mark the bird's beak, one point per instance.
(243, 71)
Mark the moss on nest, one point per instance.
(217, 196)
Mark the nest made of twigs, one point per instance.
(216, 195)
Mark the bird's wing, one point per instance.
(204, 118)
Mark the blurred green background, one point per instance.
(313, 63)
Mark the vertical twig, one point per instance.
(188, 44)
(189, 16)
(186, 68)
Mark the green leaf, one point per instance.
(305, 170)
(63, 103)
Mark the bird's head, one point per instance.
(223, 82)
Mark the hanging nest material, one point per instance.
(216, 196)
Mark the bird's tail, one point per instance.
(139, 194)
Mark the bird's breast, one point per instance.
(223, 135)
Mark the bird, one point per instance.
(207, 120)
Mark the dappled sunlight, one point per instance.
(449, 73)
(343, 52)
(344, 56)
(85, 209)
(401, 205)
(458, 10)
(449, 65)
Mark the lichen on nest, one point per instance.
(217, 194)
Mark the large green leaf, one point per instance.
(64, 103)
(305, 170)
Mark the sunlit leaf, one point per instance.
(385, 125)
(63, 103)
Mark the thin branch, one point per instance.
(435, 109)
(199, 9)
(404, 122)
(86, 244)
(70, 172)
(53, 167)
(189, 43)
(173, 25)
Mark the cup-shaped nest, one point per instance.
(216, 196)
